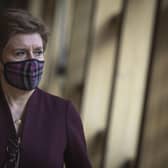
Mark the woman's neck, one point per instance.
(13, 95)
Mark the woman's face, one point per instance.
(22, 47)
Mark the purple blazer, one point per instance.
(52, 133)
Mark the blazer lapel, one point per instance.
(30, 130)
(5, 123)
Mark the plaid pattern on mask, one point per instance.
(24, 75)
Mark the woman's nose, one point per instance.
(30, 55)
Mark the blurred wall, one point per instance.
(153, 149)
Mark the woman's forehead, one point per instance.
(25, 41)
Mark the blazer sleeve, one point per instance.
(76, 150)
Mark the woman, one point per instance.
(37, 130)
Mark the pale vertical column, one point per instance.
(58, 41)
(78, 48)
(130, 84)
(79, 40)
(154, 147)
(99, 76)
(35, 7)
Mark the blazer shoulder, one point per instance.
(49, 98)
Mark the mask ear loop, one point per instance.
(1, 59)
(1, 53)
(2, 46)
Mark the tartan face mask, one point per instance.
(24, 75)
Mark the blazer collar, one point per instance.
(5, 124)
(6, 121)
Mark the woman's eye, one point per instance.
(20, 53)
(38, 53)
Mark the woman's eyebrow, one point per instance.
(19, 49)
(25, 49)
(38, 48)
